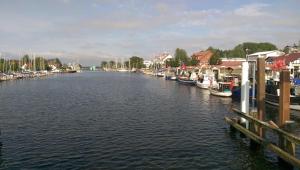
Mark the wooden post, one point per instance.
(284, 114)
(284, 98)
(260, 102)
(261, 90)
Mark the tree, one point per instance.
(25, 59)
(181, 56)
(216, 58)
(136, 62)
(172, 63)
(286, 49)
(111, 64)
(126, 63)
(239, 51)
(193, 62)
(58, 62)
(103, 64)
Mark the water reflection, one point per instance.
(1, 159)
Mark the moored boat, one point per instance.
(122, 70)
(274, 100)
(205, 81)
(186, 80)
(222, 90)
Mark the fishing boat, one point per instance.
(170, 74)
(186, 80)
(160, 74)
(274, 100)
(273, 93)
(205, 81)
(169, 77)
(222, 89)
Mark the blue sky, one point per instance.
(89, 31)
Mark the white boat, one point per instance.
(122, 70)
(206, 81)
(203, 85)
(160, 74)
(222, 90)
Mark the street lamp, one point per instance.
(247, 54)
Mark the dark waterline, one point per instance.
(118, 121)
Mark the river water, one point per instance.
(100, 120)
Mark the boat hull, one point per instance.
(292, 106)
(188, 82)
(220, 94)
(202, 85)
(174, 78)
(274, 100)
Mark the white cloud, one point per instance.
(252, 10)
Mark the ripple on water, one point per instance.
(117, 121)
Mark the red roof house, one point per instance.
(203, 57)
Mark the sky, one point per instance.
(90, 31)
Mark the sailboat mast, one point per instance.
(129, 64)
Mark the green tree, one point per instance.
(58, 62)
(137, 62)
(112, 64)
(103, 64)
(172, 62)
(193, 61)
(216, 57)
(181, 56)
(286, 49)
(126, 63)
(25, 59)
(41, 63)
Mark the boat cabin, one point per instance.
(224, 87)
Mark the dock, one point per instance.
(255, 126)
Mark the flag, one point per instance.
(183, 67)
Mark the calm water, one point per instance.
(118, 121)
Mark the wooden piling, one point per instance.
(285, 149)
(260, 102)
(284, 113)
(261, 90)
(284, 98)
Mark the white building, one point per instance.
(268, 55)
(162, 58)
(147, 63)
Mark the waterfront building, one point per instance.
(203, 57)
(162, 58)
(269, 55)
(292, 49)
(288, 61)
(228, 66)
(147, 63)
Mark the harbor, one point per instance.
(177, 114)
(147, 122)
(150, 85)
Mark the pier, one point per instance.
(285, 146)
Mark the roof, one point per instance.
(288, 58)
(203, 56)
(231, 63)
(263, 53)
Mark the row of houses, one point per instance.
(275, 60)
